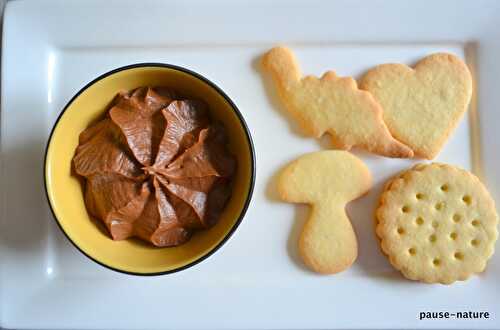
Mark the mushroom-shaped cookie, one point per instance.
(326, 180)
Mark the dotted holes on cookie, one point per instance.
(436, 262)
(467, 200)
(432, 238)
(412, 251)
(475, 223)
(419, 196)
(474, 242)
(459, 255)
(439, 206)
(401, 231)
(405, 209)
(419, 221)
(457, 218)
(453, 236)
(445, 187)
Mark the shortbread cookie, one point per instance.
(422, 106)
(437, 223)
(332, 104)
(326, 180)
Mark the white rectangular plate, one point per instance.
(53, 48)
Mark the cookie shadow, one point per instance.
(371, 261)
(271, 190)
(272, 96)
(302, 212)
(300, 217)
(325, 142)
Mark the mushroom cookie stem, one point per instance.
(327, 242)
(333, 105)
(326, 180)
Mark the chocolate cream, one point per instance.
(155, 167)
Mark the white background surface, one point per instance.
(256, 279)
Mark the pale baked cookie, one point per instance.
(422, 106)
(326, 180)
(332, 104)
(437, 223)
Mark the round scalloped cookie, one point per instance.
(437, 223)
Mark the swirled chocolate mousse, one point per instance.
(156, 167)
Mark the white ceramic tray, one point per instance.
(53, 48)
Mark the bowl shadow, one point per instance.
(25, 214)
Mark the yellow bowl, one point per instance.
(65, 194)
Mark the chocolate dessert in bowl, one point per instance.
(149, 169)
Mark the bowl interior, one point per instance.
(65, 191)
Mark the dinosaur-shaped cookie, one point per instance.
(327, 181)
(332, 104)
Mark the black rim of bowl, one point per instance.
(247, 134)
